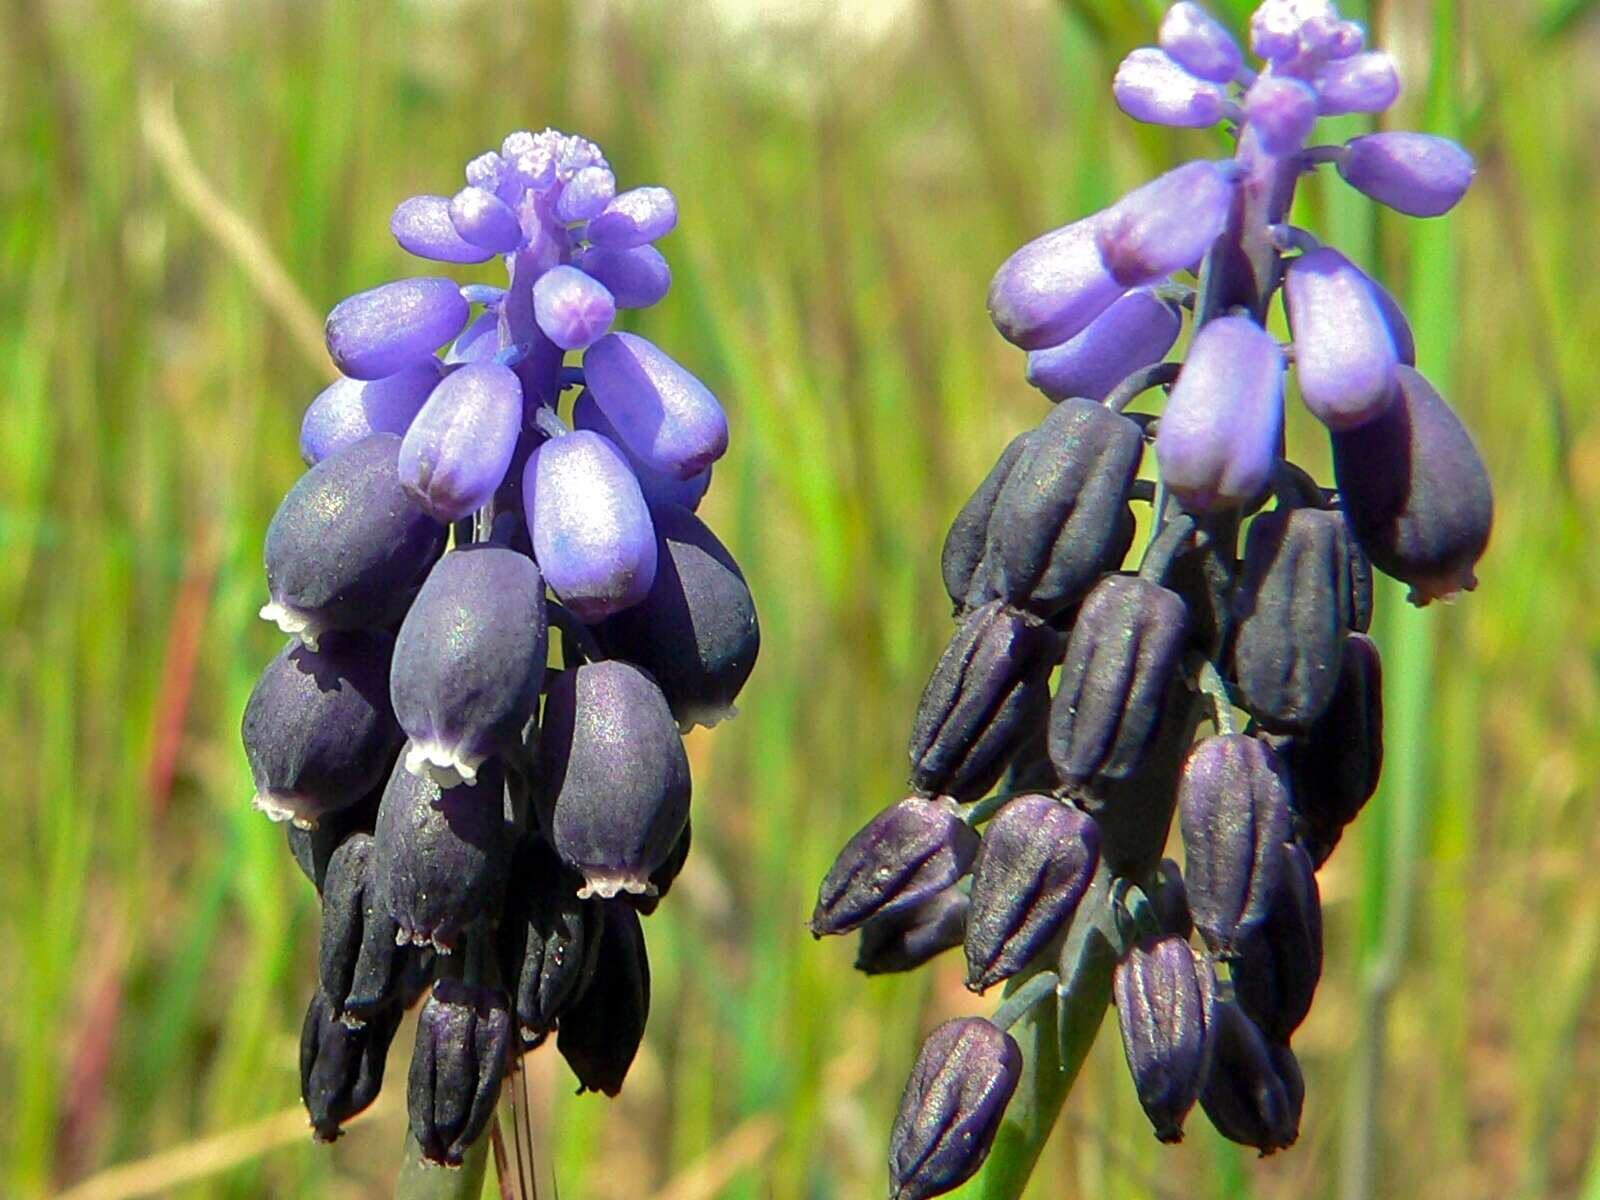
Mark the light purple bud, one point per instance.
(1166, 225)
(636, 277)
(1362, 83)
(1278, 26)
(458, 449)
(385, 329)
(1414, 173)
(422, 226)
(486, 171)
(1344, 353)
(1134, 332)
(658, 488)
(633, 218)
(665, 415)
(1405, 345)
(1344, 39)
(1050, 289)
(1151, 87)
(587, 195)
(572, 309)
(479, 343)
(1282, 111)
(484, 219)
(592, 534)
(1218, 439)
(348, 410)
(1199, 43)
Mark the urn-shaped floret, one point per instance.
(1165, 996)
(463, 1046)
(602, 1031)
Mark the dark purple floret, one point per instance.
(614, 779)
(341, 1066)
(601, 1033)
(952, 1107)
(549, 939)
(318, 729)
(1164, 993)
(347, 548)
(695, 631)
(1233, 806)
(469, 662)
(1416, 492)
(312, 849)
(360, 967)
(463, 1048)
(1280, 961)
(961, 562)
(903, 941)
(1245, 1096)
(989, 691)
(1033, 867)
(1123, 651)
(661, 879)
(904, 856)
(441, 855)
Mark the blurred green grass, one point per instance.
(844, 202)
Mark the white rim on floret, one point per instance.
(282, 806)
(607, 884)
(708, 717)
(294, 621)
(444, 766)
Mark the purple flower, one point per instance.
(1344, 351)
(666, 416)
(1282, 111)
(422, 225)
(348, 410)
(1150, 86)
(1414, 173)
(1363, 83)
(573, 309)
(1050, 289)
(456, 452)
(384, 330)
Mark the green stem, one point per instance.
(423, 1181)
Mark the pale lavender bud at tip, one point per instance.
(1167, 225)
(1218, 439)
(1362, 83)
(484, 219)
(572, 309)
(587, 195)
(1414, 173)
(633, 218)
(1150, 86)
(1200, 44)
(1282, 111)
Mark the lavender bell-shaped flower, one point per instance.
(1134, 332)
(1344, 353)
(388, 328)
(469, 662)
(1165, 995)
(1218, 439)
(952, 1106)
(904, 856)
(664, 415)
(592, 534)
(348, 410)
(1415, 173)
(458, 449)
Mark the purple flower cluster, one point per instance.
(478, 820)
(1066, 893)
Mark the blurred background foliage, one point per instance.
(185, 185)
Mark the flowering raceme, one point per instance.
(478, 820)
(1066, 895)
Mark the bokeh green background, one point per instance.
(186, 184)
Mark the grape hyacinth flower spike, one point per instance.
(1222, 678)
(484, 820)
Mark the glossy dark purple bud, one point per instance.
(1334, 766)
(1123, 652)
(696, 630)
(1416, 492)
(388, 328)
(964, 545)
(1291, 609)
(347, 548)
(549, 939)
(903, 941)
(952, 1107)
(469, 662)
(359, 964)
(989, 691)
(318, 730)
(662, 878)
(463, 1047)
(1061, 519)
(1165, 996)
(1033, 867)
(601, 1033)
(341, 1066)
(1245, 1096)
(441, 855)
(903, 857)
(1135, 814)
(1280, 961)
(614, 787)
(312, 849)
(1233, 809)
(348, 410)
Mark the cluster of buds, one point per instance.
(1066, 892)
(481, 825)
